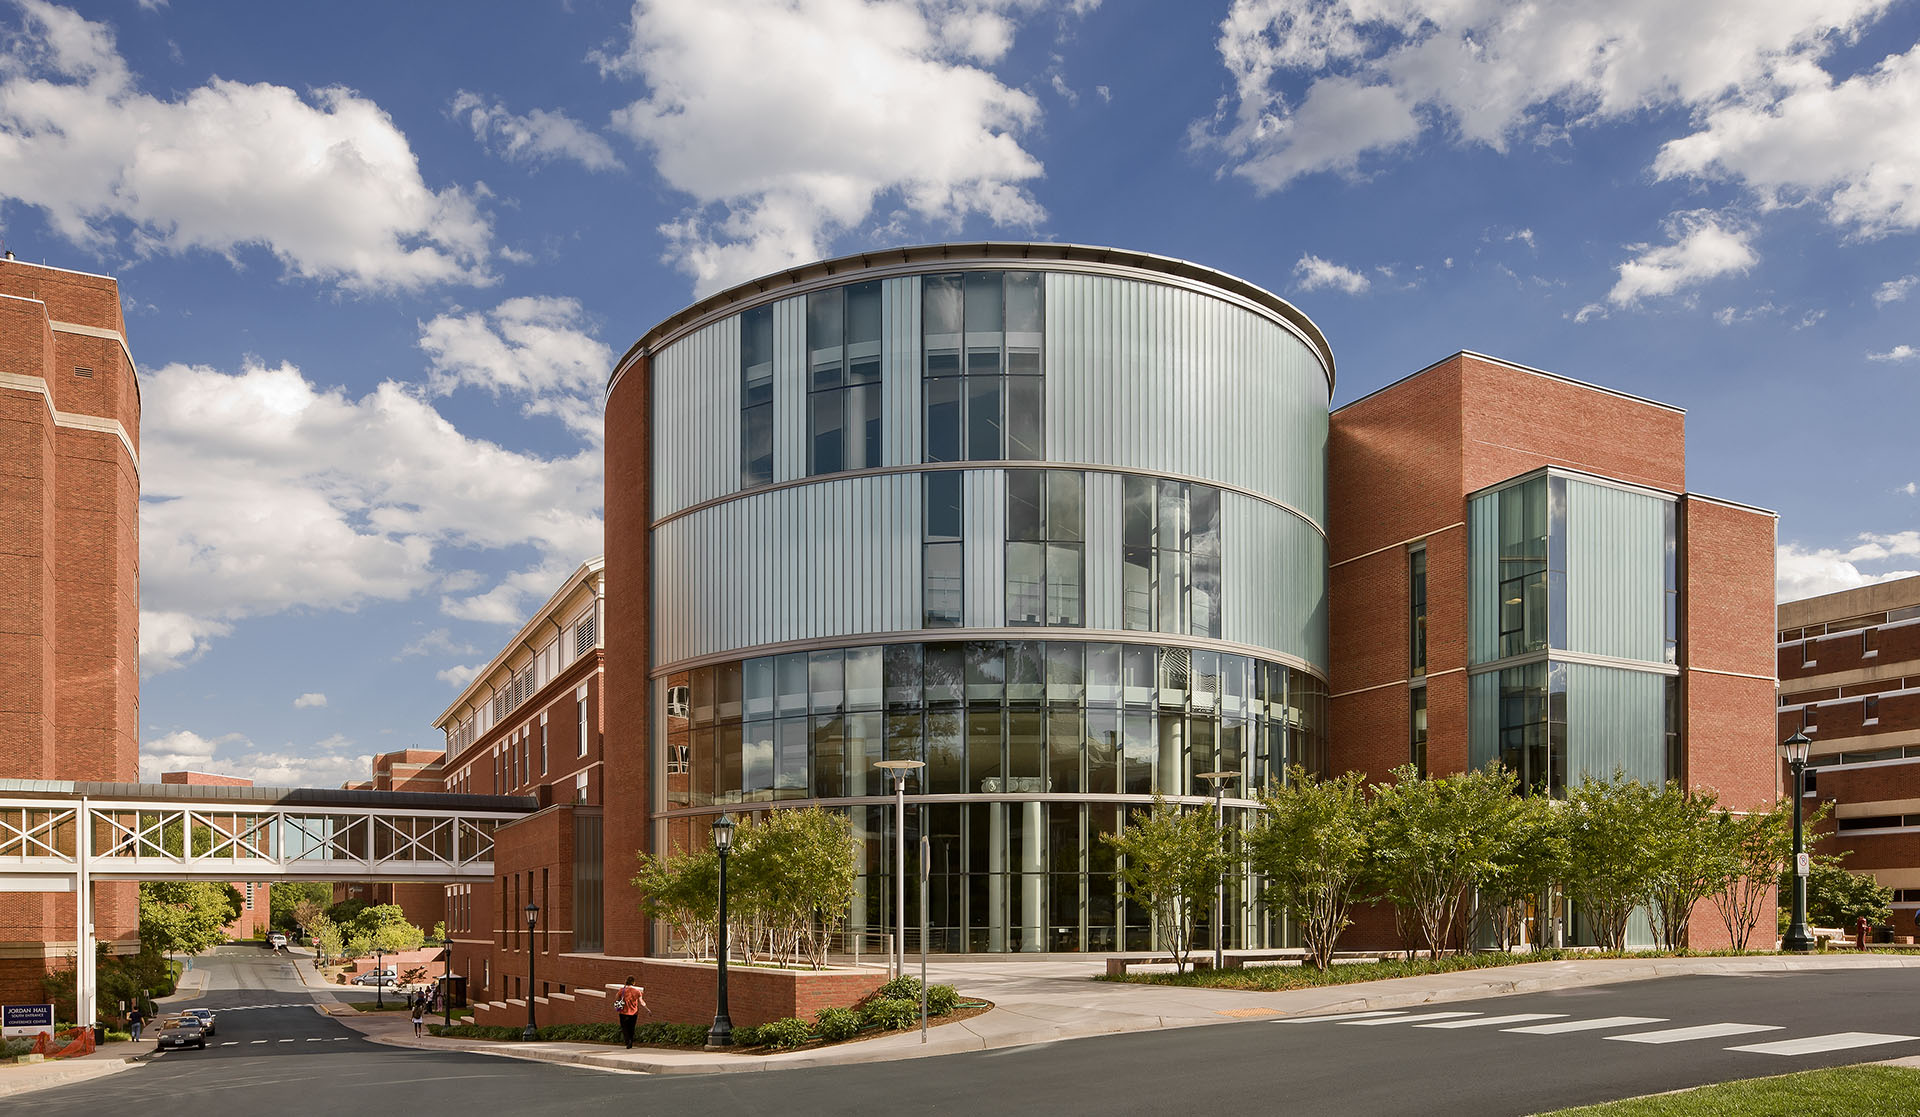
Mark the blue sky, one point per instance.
(376, 259)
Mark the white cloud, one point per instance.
(1897, 353)
(175, 752)
(1849, 145)
(788, 123)
(1588, 313)
(327, 763)
(540, 349)
(1911, 488)
(327, 184)
(1315, 273)
(439, 641)
(537, 137)
(1800, 572)
(511, 599)
(310, 700)
(1893, 290)
(459, 675)
(264, 492)
(1703, 245)
(1493, 73)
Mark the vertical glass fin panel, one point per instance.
(1616, 718)
(1618, 545)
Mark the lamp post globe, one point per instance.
(533, 920)
(721, 1034)
(1794, 751)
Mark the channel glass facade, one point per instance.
(1050, 520)
(1573, 610)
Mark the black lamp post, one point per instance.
(533, 917)
(446, 985)
(1794, 751)
(721, 1034)
(379, 980)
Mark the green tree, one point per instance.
(329, 940)
(346, 911)
(1436, 840)
(1690, 854)
(798, 867)
(294, 902)
(1529, 863)
(1312, 846)
(1172, 862)
(1609, 866)
(183, 916)
(683, 889)
(1759, 845)
(1837, 897)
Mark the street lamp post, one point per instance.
(900, 770)
(1220, 780)
(533, 918)
(1794, 751)
(721, 1034)
(379, 979)
(446, 985)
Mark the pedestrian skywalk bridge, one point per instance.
(1625, 1029)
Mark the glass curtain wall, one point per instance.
(1008, 730)
(980, 343)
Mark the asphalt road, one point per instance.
(1456, 1058)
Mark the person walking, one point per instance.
(135, 1018)
(628, 1002)
(419, 1014)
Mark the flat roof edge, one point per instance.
(1517, 367)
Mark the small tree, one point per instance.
(799, 865)
(1837, 897)
(1758, 846)
(328, 939)
(1311, 845)
(1172, 860)
(293, 903)
(1529, 862)
(1690, 856)
(1436, 841)
(683, 889)
(1609, 867)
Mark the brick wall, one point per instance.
(684, 993)
(624, 706)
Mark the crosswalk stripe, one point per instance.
(1813, 1045)
(1406, 1019)
(1701, 1031)
(286, 1041)
(257, 1041)
(1329, 1018)
(1586, 1025)
(1489, 1021)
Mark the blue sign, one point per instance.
(17, 1020)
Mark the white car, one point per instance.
(277, 940)
(376, 977)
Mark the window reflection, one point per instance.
(983, 392)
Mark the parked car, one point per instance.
(204, 1015)
(277, 941)
(377, 977)
(180, 1031)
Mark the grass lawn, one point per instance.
(1305, 976)
(1862, 1091)
(394, 1004)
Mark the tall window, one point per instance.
(1170, 578)
(1417, 607)
(1046, 521)
(756, 397)
(1523, 568)
(980, 334)
(843, 378)
(1417, 752)
(580, 699)
(941, 596)
(543, 742)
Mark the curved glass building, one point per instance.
(1050, 519)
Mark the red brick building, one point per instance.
(1515, 562)
(69, 559)
(256, 900)
(529, 724)
(1850, 679)
(409, 769)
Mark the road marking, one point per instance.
(1586, 1025)
(256, 1041)
(229, 1042)
(1489, 1021)
(1406, 1019)
(1702, 1031)
(1341, 1016)
(286, 1041)
(1813, 1045)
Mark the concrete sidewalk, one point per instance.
(1049, 1000)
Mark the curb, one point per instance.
(64, 1075)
